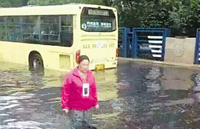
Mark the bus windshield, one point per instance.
(98, 20)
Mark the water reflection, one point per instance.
(196, 87)
(107, 86)
(17, 78)
(151, 97)
(37, 78)
(153, 83)
(133, 96)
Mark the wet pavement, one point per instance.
(134, 96)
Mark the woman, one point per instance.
(79, 94)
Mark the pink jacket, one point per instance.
(72, 97)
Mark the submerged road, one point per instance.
(135, 95)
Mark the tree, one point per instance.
(4, 3)
(181, 16)
(13, 3)
(59, 2)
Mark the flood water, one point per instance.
(135, 95)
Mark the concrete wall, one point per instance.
(179, 50)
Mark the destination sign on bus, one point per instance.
(98, 12)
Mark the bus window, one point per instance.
(30, 29)
(2, 28)
(13, 29)
(67, 30)
(98, 20)
(49, 29)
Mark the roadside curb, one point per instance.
(181, 65)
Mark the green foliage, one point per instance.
(47, 2)
(58, 2)
(181, 16)
(13, 3)
(4, 3)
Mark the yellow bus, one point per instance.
(55, 36)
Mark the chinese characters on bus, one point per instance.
(102, 25)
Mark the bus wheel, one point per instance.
(36, 62)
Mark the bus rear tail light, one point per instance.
(117, 52)
(78, 53)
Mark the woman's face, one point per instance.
(84, 66)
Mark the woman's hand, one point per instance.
(97, 106)
(66, 110)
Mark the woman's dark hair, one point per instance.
(83, 57)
